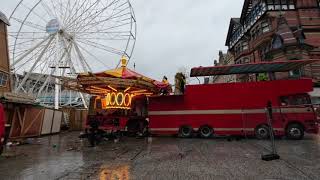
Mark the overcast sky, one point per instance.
(175, 34)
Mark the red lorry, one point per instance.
(236, 109)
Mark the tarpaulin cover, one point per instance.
(262, 67)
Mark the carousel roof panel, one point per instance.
(119, 78)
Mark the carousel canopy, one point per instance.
(119, 79)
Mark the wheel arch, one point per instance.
(261, 124)
(206, 125)
(295, 122)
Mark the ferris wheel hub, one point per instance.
(53, 26)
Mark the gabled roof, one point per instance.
(247, 6)
(284, 31)
(4, 18)
(234, 25)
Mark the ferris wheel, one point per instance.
(61, 38)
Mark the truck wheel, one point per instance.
(295, 132)
(206, 131)
(262, 132)
(185, 132)
(1, 149)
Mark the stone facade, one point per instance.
(224, 59)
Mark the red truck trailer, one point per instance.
(236, 109)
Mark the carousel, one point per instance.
(119, 96)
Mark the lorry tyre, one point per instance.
(206, 131)
(262, 132)
(295, 132)
(1, 149)
(185, 132)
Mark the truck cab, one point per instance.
(304, 116)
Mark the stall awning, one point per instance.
(262, 67)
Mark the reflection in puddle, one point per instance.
(115, 173)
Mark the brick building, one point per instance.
(4, 56)
(277, 30)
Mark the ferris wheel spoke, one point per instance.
(53, 70)
(30, 24)
(47, 9)
(101, 46)
(90, 24)
(28, 38)
(66, 11)
(95, 15)
(63, 9)
(34, 65)
(69, 60)
(92, 55)
(22, 52)
(105, 36)
(120, 25)
(83, 62)
(32, 12)
(83, 12)
(112, 14)
(72, 14)
(30, 59)
(58, 15)
(31, 50)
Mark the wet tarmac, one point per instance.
(64, 156)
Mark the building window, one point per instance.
(3, 79)
(277, 42)
(265, 27)
(280, 4)
(263, 51)
(242, 46)
(295, 73)
(260, 29)
(244, 60)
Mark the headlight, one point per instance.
(2, 140)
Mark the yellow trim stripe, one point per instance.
(215, 129)
(233, 111)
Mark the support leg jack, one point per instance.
(270, 157)
(274, 155)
